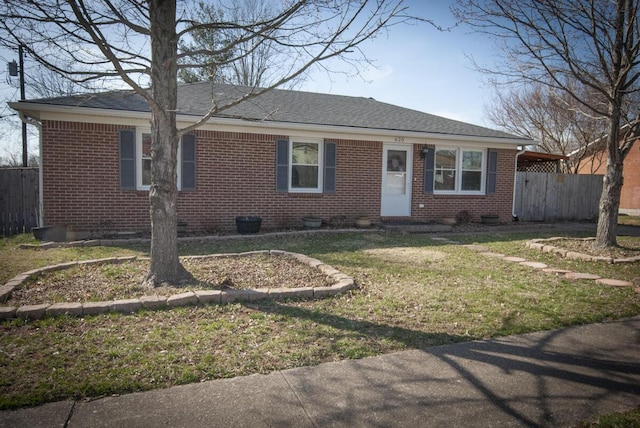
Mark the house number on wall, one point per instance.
(399, 139)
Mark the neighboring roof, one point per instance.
(284, 106)
(600, 144)
(532, 157)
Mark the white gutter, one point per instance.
(37, 124)
(515, 179)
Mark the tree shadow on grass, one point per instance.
(409, 338)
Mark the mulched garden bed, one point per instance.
(100, 282)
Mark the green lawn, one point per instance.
(447, 294)
(629, 220)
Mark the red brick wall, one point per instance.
(81, 186)
(235, 175)
(630, 194)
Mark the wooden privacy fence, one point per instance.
(18, 200)
(557, 197)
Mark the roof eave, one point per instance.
(35, 109)
(391, 134)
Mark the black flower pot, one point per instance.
(50, 233)
(489, 219)
(248, 224)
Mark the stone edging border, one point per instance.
(199, 297)
(541, 244)
(112, 242)
(484, 251)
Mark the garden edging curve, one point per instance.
(151, 302)
(542, 245)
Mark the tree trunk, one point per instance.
(163, 195)
(606, 235)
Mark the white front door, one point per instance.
(396, 180)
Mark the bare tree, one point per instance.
(253, 63)
(205, 50)
(44, 83)
(555, 43)
(14, 160)
(137, 42)
(551, 117)
(260, 62)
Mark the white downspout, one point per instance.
(515, 178)
(37, 124)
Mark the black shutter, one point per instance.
(492, 171)
(429, 161)
(127, 159)
(330, 168)
(189, 162)
(282, 166)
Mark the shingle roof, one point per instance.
(288, 107)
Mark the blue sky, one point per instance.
(420, 67)
(416, 66)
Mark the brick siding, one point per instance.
(235, 175)
(630, 193)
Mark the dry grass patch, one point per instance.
(407, 255)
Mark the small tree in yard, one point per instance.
(136, 42)
(556, 43)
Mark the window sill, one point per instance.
(457, 195)
(304, 195)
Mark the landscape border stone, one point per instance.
(514, 259)
(153, 302)
(183, 299)
(545, 268)
(72, 309)
(342, 284)
(614, 282)
(541, 245)
(581, 275)
(96, 308)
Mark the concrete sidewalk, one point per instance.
(555, 378)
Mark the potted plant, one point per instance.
(449, 220)
(363, 221)
(182, 227)
(248, 224)
(312, 222)
(490, 218)
(50, 233)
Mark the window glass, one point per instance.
(305, 165)
(445, 170)
(396, 182)
(471, 160)
(396, 160)
(146, 159)
(143, 160)
(471, 170)
(459, 170)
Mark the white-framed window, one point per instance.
(305, 165)
(459, 170)
(143, 160)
